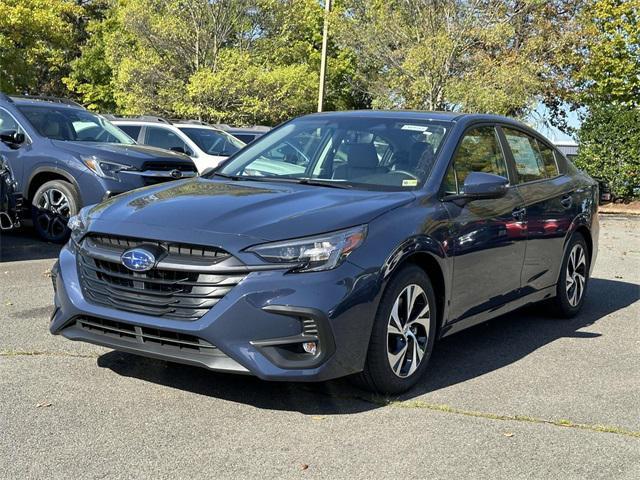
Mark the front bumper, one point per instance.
(256, 328)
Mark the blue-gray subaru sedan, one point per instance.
(337, 244)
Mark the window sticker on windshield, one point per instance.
(410, 183)
(415, 128)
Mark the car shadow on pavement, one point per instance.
(467, 355)
(23, 244)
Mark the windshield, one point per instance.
(73, 124)
(349, 151)
(213, 142)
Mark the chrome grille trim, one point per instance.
(184, 285)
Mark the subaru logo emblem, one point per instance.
(138, 260)
(175, 173)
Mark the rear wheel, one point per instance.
(52, 205)
(574, 277)
(403, 334)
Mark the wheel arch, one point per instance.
(432, 268)
(46, 174)
(586, 234)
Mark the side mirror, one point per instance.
(482, 186)
(12, 138)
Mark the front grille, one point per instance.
(183, 286)
(158, 166)
(124, 243)
(146, 335)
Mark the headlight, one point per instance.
(78, 225)
(314, 254)
(104, 168)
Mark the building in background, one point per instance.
(568, 147)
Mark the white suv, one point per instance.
(206, 145)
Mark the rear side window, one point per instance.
(132, 130)
(548, 160)
(534, 160)
(479, 151)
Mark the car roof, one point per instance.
(417, 115)
(45, 103)
(151, 123)
(405, 115)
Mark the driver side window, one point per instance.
(479, 151)
(7, 122)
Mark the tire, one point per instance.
(573, 280)
(390, 338)
(52, 205)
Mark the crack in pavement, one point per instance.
(408, 404)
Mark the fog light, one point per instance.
(310, 347)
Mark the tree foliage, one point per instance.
(37, 39)
(607, 82)
(478, 56)
(610, 148)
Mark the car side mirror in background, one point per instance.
(12, 138)
(481, 186)
(605, 192)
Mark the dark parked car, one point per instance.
(400, 228)
(64, 157)
(10, 200)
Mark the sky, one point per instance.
(539, 120)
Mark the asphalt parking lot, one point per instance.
(523, 396)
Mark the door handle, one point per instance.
(519, 214)
(566, 201)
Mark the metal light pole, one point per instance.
(323, 59)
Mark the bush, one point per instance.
(610, 148)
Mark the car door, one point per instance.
(487, 238)
(549, 201)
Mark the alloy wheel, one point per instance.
(408, 331)
(576, 275)
(53, 212)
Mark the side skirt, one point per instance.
(481, 317)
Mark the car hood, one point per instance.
(186, 209)
(134, 155)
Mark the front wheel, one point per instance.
(574, 276)
(52, 205)
(403, 334)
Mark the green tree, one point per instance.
(609, 60)
(37, 40)
(610, 147)
(479, 56)
(607, 82)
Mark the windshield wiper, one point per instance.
(324, 183)
(224, 175)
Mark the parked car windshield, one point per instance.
(365, 152)
(73, 124)
(213, 142)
